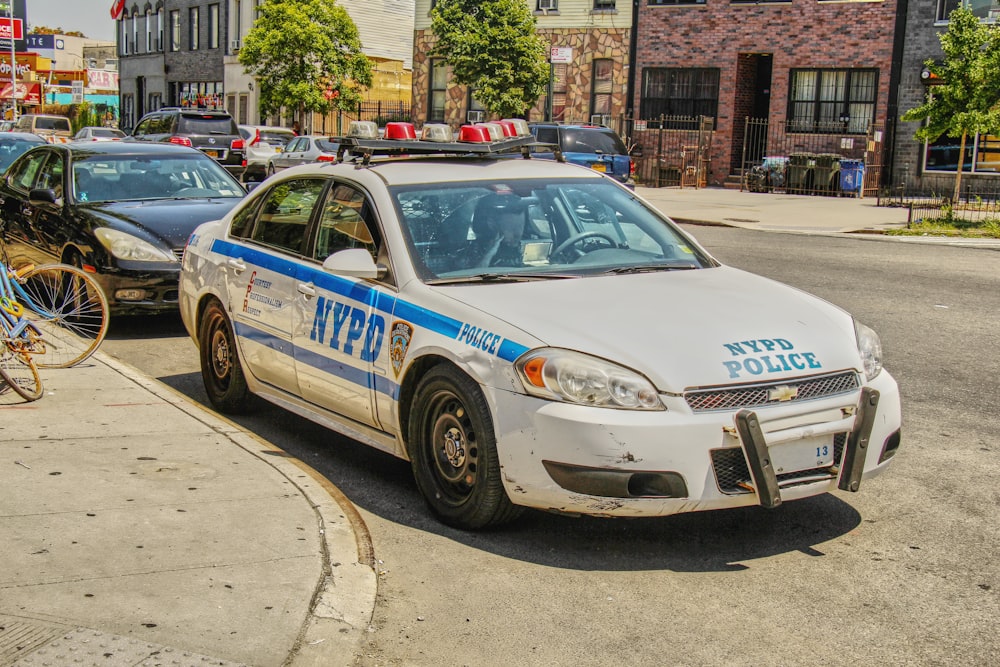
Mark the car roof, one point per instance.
(127, 148)
(269, 128)
(454, 169)
(23, 136)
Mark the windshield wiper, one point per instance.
(650, 268)
(500, 278)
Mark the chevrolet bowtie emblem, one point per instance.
(782, 393)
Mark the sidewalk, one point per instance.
(791, 213)
(140, 528)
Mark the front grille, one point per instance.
(733, 476)
(756, 395)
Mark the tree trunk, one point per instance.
(958, 175)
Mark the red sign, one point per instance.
(27, 93)
(5, 28)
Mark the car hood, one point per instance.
(170, 220)
(681, 329)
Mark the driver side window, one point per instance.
(345, 223)
(24, 175)
(285, 214)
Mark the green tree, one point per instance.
(306, 55)
(967, 101)
(492, 46)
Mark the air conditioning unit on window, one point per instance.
(546, 5)
(600, 119)
(234, 46)
(474, 116)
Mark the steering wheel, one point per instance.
(576, 238)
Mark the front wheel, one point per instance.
(221, 372)
(18, 375)
(69, 308)
(453, 452)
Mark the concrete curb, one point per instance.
(344, 599)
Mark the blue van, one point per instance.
(594, 146)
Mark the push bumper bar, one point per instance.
(765, 480)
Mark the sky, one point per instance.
(91, 17)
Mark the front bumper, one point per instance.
(579, 460)
(138, 292)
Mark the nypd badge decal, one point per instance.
(400, 336)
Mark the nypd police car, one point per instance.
(529, 333)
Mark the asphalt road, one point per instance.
(904, 572)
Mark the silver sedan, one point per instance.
(302, 150)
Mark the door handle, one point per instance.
(237, 265)
(307, 289)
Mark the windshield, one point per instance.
(537, 229)
(103, 178)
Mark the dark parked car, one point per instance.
(214, 133)
(13, 144)
(122, 211)
(594, 146)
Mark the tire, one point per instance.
(270, 170)
(69, 308)
(18, 376)
(453, 452)
(221, 371)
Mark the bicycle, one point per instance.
(55, 311)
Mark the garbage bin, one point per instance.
(800, 171)
(852, 176)
(826, 173)
(775, 167)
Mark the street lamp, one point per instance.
(8, 6)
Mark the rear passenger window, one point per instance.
(285, 214)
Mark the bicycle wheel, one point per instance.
(18, 375)
(69, 308)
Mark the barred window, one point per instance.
(670, 91)
(840, 101)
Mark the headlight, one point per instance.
(870, 348)
(562, 375)
(126, 246)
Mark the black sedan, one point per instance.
(121, 211)
(14, 144)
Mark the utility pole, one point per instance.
(8, 6)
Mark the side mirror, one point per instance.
(353, 262)
(43, 196)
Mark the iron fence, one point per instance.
(777, 157)
(976, 205)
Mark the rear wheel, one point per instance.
(453, 452)
(70, 310)
(18, 377)
(270, 170)
(220, 364)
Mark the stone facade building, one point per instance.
(589, 80)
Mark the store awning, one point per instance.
(27, 93)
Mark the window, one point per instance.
(193, 15)
(285, 213)
(600, 96)
(175, 30)
(547, 5)
(159, 29)
(342, 224)
(149, 31)
(679, 92)
(604, 5)
(213, 26)
(675, 2)
(438, 90)
(982, 154)
(477, 112)
(832, 101)
(135, 32)
(987, 10)
(124, 37)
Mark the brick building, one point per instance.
(809, 67)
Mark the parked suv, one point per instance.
(54, 129)
(261, 143)
(214, 133)
(594, 146)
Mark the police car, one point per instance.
(529, 333)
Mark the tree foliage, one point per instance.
(492, 46)
(45, 30)
(967, 99)
(298, 50)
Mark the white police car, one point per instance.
(529, 334)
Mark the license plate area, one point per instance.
(599, 166)
(212, 154)
(804, 454)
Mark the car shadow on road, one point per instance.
(711, 541)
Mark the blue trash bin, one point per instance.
(852, 176)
